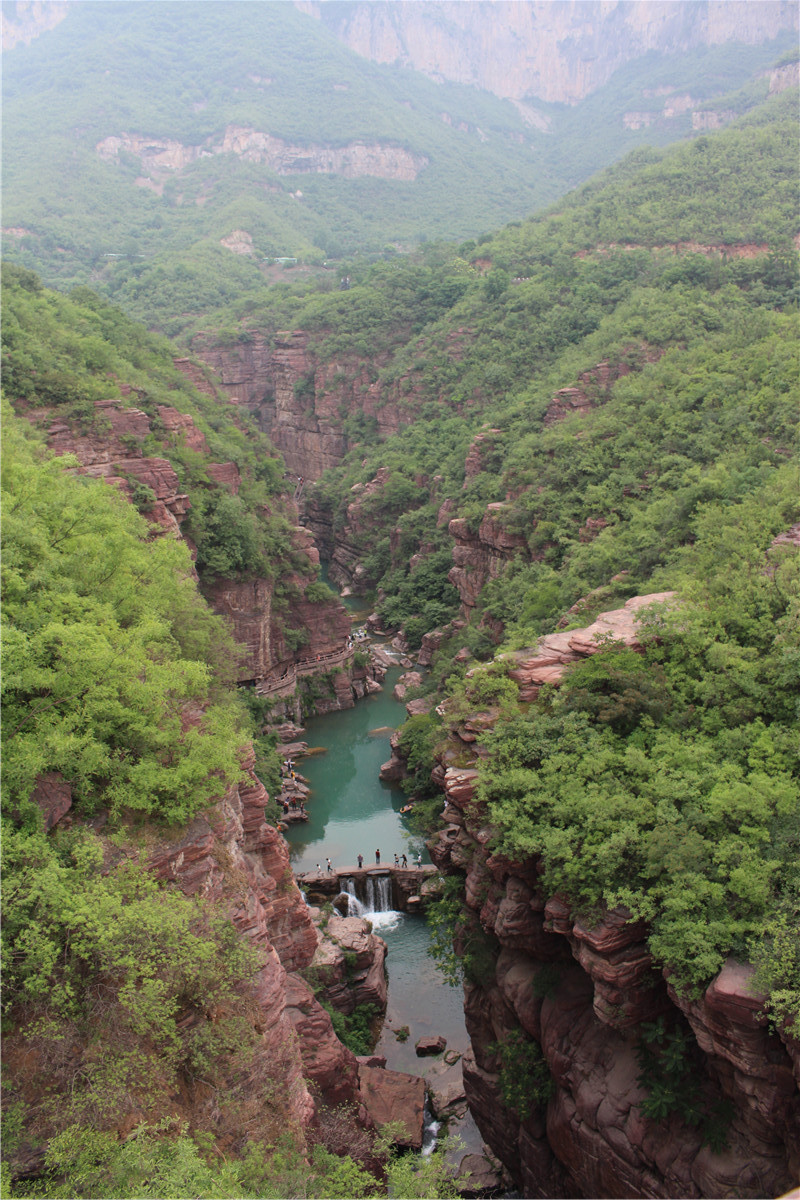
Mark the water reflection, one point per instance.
(350, 810)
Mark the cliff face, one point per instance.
(554, 52)
(582, 994)
(26, 19)
(160, 157)
(300, 403)
(112, 449)
(231, 857)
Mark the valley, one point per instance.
(503, 516)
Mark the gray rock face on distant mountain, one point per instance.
(545, 50)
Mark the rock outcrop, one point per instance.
(552, 52)
(547, 662)
(296, 400)
(582, 993)
(482, 555)
(112, 447)
(349, 962)
(161, 156)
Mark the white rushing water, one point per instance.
(376, 906)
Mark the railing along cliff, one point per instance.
(305, 666)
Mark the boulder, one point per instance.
(435, 1044)
(394, 1096)
(448, 1099)
(481, 1176)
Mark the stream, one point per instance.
(351, 811)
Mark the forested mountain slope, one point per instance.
(165, 152)
(589, 409)
(652, 280)
(159, 1036)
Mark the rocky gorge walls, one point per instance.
(589, 995)
(296, 1066)
(114, 446)
(299, 403)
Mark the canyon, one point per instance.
(582, 991)
(112, 447)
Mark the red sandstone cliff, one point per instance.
(297, 401)
(113, 448)
(582, 993)
(230, 856)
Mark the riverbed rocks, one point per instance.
(406, 683)
(434, 1044)
(481, 1175)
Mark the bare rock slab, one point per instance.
(394, 1096)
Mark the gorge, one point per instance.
(554, 471)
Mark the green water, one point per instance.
(351, 812)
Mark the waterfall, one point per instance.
(430, 1129)
(354, 906)
(379, 894)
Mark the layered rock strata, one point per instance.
(482, 555)
(582, 993)
(112, 448)
(298, 401)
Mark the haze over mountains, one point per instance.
(542, 50)
(209, 137)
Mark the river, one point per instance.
(351, 811)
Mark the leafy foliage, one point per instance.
(670, 1069)
(105, 644)
(524, 1078)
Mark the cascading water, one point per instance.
(354, 906)
(430, 1130)
(379, 894)
(378, 907)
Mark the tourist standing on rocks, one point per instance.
(405, 861)
(330, 868)
(378, 857)
(419, 859)
(396, 861)
(360, 861)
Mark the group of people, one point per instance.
(400, 860)
(295, 802)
